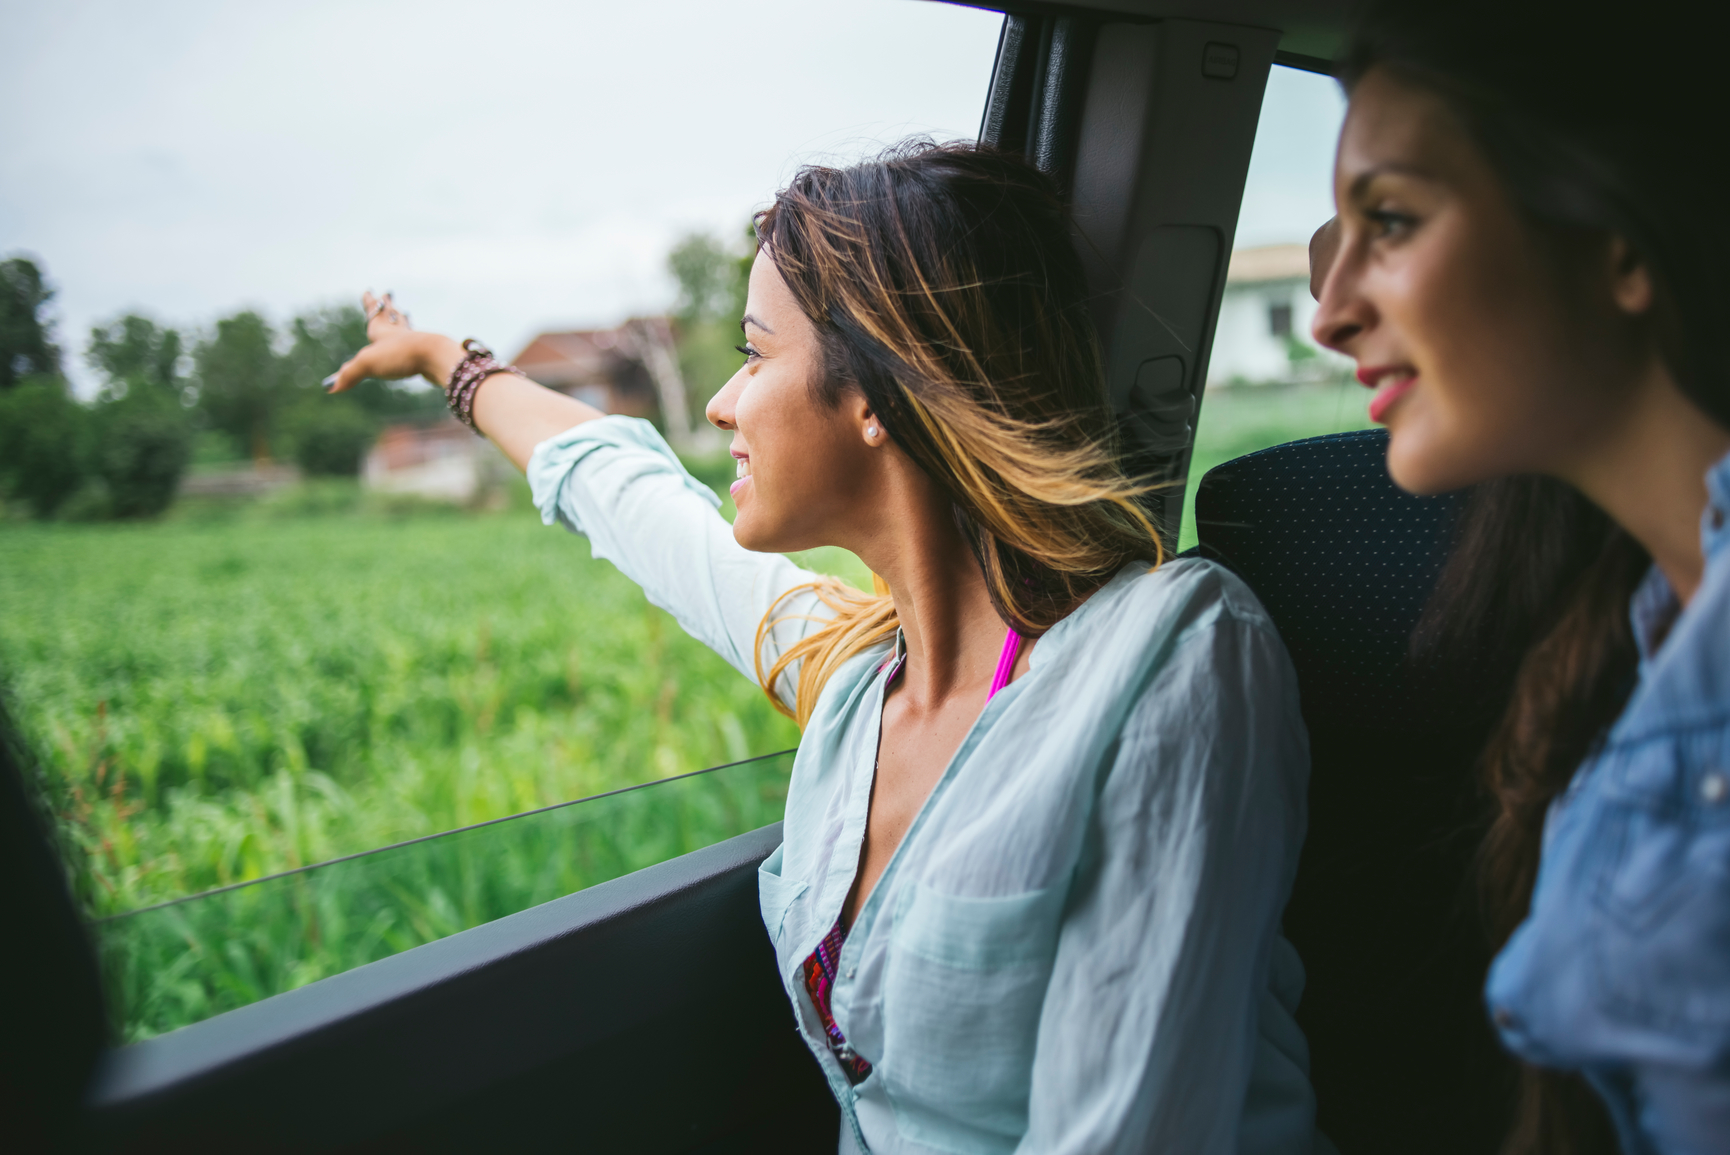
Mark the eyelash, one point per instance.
(747, 351)
(1390, 222)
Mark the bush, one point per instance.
(330, 437)
(144, 443)
(45, 441)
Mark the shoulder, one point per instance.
(1686, 684)
(1205, 680)
(1190, 622)
(1188, 594)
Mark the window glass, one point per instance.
(1268, 382)
(250, 628)
(169, 965)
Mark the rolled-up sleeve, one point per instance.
(1172, 991)
(617, 482)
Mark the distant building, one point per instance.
(1265, 312)
(633, 369)
(443, 462)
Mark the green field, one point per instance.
(244, 689)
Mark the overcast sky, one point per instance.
(505, 167)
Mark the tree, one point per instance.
(712, 277)
(45, 443)
(143, 433)
(329, 436)
(241, 381)
(26, 345)
(143, 446)
(133, 354)
(707, 270)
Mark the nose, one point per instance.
(1343, 313)
(720, 409)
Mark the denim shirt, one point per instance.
(1076, 947)
(1622, 969)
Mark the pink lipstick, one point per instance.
(1390, 384)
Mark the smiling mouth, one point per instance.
(741, 474)
(1389, 385)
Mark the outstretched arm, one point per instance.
(514, 412)
(622, 488)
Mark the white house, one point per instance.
(1266, 309)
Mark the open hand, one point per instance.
(394, 350)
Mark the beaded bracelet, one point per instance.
(467, 377)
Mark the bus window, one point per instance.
(256, 628)
(1267, 380)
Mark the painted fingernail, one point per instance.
(329, 383)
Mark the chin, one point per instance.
(743, 535)
(1421, 467)
(748, 534)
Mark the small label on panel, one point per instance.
(1219, 61)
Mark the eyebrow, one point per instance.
(1362, 180)
(748, 319)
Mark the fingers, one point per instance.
(387, 360)
(344, 378)
(393, 350)
(383, 317)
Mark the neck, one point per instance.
(953, 634)
(1649, 474)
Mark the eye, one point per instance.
(1390, 223)
(749, 351)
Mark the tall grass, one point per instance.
(222, 700)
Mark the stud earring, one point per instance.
(871, 432)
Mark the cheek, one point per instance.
(1493, 376)
(799, 464)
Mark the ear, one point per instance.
(856, 411)
(875, 434)
(1630, 277)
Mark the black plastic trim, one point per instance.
(1305, 63)
(1038, 85)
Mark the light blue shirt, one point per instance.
(1076, 947)
(1622, 970)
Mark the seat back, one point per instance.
(1382, 912)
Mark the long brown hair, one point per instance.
(945, 288)
(1596, 128)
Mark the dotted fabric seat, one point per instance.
(1342, 559)
(1382, 911)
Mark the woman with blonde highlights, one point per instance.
(1049, 797)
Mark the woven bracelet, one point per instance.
(466, 380)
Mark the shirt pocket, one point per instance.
(1661, 959)
(776, 895)
(962, 993)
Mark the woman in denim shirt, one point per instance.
(1531, 267)
(1049, 792)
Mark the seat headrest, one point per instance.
(1343, 560)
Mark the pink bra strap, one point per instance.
(1005, 663)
